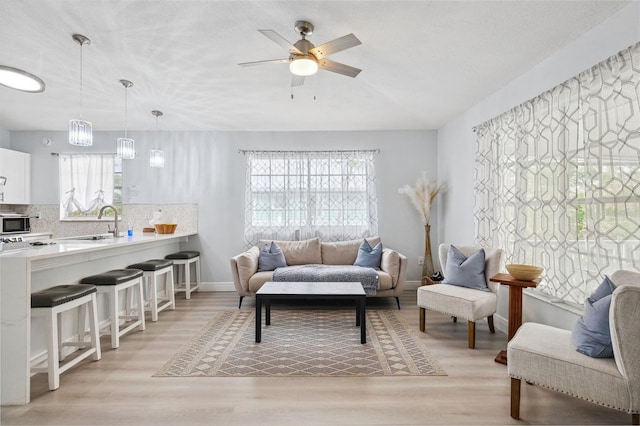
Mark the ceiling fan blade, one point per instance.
(297, 80)
(277, 38)
(333, 46)
(268, 61)
(339, 68)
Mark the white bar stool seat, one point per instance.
(112, 283)
(152, 269)
(51, 303)
(183, 260)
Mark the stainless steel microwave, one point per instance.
(14, 224)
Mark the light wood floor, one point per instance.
(120, 389)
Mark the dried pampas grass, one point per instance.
(422, 195)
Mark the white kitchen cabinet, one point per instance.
(15, 172)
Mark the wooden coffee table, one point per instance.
(311, 290)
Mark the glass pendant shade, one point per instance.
(303, 67)
(80, 133)
(156, 158)
(126, 149)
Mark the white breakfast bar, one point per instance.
(65, 262)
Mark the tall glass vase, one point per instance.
(427, 266)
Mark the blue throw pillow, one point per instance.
(465, 271)
(270, 258)
(591, 334)
(369, 257)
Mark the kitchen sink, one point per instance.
(95, 237)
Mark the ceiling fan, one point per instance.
(305, 59)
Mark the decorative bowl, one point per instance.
(524, 272)
(165, 228)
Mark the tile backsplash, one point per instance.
(138, 215)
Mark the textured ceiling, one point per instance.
(423, 62)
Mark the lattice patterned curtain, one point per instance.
(295, 195)
(558, 179)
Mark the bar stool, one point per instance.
(183, 260)
(153, 269)
(51, 303)
(111, 283)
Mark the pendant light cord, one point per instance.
(81, 97)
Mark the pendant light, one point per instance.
(80, 131)
(126, 146)
(156, 157)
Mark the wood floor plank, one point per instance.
(120, 388)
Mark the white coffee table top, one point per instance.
(311, 288)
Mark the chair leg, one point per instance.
(455, 319)
(472, 334)
(422, 314)
(240, 303)
(52, 349)
(515, 398)
(398, 302)
(491, 327)
(635, 419)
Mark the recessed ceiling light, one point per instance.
(15, 78)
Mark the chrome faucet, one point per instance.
(116, 232)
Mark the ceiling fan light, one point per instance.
(17, 79)
(303, 67)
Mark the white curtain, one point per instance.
(558, 179)
(86, 183)
(295, 195)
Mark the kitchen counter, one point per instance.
(35, 268)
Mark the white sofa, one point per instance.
(248, 280)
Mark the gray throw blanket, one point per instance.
(333, 273)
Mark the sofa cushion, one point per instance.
(465, 271)
(591, 334)
(270, 258)
(299, 252)
(258, 279)
(343, 252)
(369, 256)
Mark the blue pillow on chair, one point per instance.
(369, 257)
(591, 334)
(270, 258)
(465, 271)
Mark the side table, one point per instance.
(515, 305)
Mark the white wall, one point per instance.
(4, 138)
(205, 168)
(457, 142)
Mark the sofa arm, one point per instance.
(394, 264)
(243, 266)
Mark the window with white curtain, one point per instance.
(88, 182)
(295, 195)
(558, 179)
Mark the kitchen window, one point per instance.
(87, 183)
(295, 195)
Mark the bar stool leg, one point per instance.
(140, 291)
(59, 339)
(154, 297)
(114, 314)
(82, 316)
(198, 273)
(93, 327)
(170, 288)
(187, 279)
(52, 341)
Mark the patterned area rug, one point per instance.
(303, 343)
